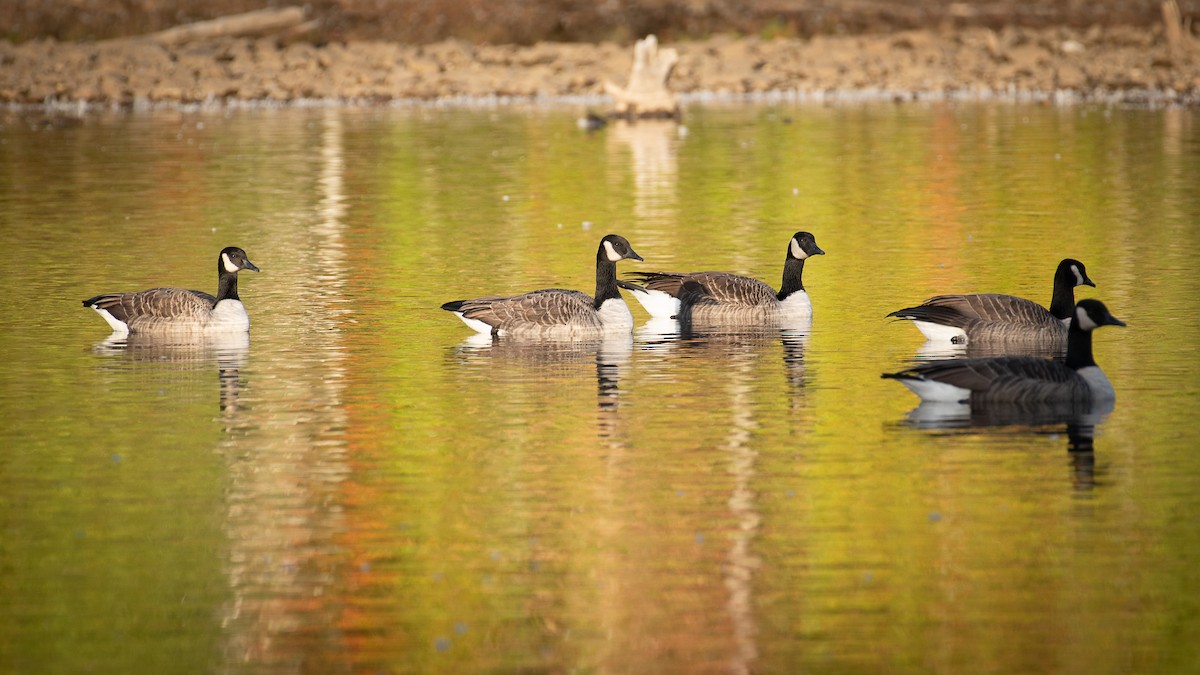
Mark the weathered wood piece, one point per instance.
(1179, 35)
(647, 95)
(259, 22)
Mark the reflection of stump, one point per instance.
(647, 94)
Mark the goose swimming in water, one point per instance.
(1021, 378)
(177, 310)
(557, 312)
(724, 298)
(993, 317)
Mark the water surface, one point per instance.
(360, 487)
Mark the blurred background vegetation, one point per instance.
(527, 22)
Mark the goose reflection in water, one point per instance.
(539, 358)
(943, 349)
(740, 353)
(660, 334)
(1078, 420)
(227, 351)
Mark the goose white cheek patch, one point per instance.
(611, 252)
(229, 266)
(797, 252)
(1085, 322)
(1078, 276)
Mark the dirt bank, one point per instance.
(1121, 63)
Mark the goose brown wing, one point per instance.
(1004, 378)
(547, 307)
(723, 288)
(994, 307)
(670, 283)
(156, 304)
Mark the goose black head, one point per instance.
(1073, 271)
(614, 247)
(803, 245)
(234, 260)
(1090, 314)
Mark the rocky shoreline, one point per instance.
(1121, 64)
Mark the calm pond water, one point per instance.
(359, 487)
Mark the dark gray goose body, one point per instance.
(178, 310)
(716, 298)
(994, 317)
(1021, 378)
(557, 312)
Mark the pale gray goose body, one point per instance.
(1021, 378)
(716, 298)
(994, 317)
(178, 310)
(557, 312)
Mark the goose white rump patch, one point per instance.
(475, 324)
(116, 324)
(940, 333)
(660, 305)
(936, 392)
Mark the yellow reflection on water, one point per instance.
(364, 486)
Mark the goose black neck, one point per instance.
(793, 273)
(1079, 347)
(226, 284)
(606, 279)
(1062, 303)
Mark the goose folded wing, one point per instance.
(549, 307)
(987, 374)
(667, 282)
(727, 289)
(994, 307)
(156, 303)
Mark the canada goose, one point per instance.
(1021, 378)
(1001, 318)
(174, 310)
(721, 297)
(557, 312)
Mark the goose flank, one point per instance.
(557, 312)
(725, 298)
(1021, 378)
(173, 310)
(993, 317)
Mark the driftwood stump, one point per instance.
(1180, 44)
(647, 95)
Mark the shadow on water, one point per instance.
(1078, 420)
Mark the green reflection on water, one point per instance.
(361, 489)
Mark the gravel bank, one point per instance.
(1111, 64)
